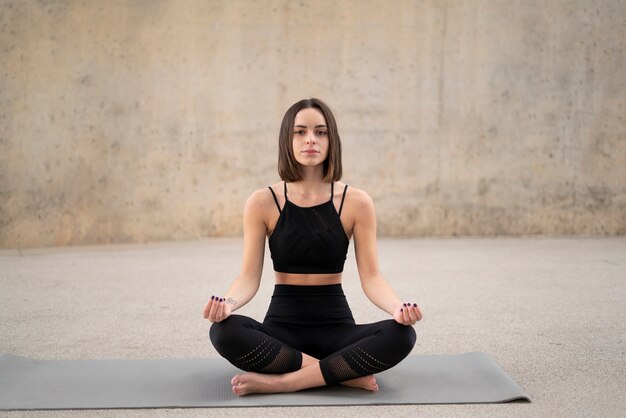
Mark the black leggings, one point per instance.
(315, 320)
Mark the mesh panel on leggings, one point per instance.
(268, 357)
(258, 357)
(353, 363)
(283, 362)
(340, 369)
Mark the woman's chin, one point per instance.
(311, 163)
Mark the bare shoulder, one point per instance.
(358, 207)
(358, 199)
(260, 201)
(277, 188)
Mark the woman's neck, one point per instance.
(311, 184)
(307, 189)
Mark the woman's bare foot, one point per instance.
(246, 383)
(364, 382)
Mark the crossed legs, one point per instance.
(274, 366)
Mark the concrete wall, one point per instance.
(127, 121)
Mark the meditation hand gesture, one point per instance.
(407, 314)
(217, 309)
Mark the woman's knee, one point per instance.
(225, 333)
(402, 337)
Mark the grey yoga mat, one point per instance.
(180, 383)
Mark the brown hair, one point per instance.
(288, 167)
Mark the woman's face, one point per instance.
(310, 137)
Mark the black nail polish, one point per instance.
(415, 305)
(212, 297)
(401, 310)
(405, 304)
(221, 299)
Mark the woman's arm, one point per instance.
(247, 283)
(376, 288)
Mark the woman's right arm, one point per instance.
(247, 283)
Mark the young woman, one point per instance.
(308, 337)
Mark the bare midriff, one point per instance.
(307, 279)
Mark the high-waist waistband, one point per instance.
(309, 305)
(297, 290)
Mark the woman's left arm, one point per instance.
(376, 288)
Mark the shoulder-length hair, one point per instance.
(288, 167)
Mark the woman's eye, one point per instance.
(299, 132)
(321, 132)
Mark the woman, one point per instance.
(308, 337)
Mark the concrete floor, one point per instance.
(551, 311)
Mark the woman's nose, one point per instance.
(310, 138)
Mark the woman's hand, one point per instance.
(407, 314)
(216, 309)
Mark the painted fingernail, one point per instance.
(401, 310)
(405, 304)
(415, 305)
(221, 299)
(212, 297)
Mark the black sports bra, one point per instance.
(309, 240)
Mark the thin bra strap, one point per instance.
(285, 188)
(332, 190)
(275, 200)
(342, 199)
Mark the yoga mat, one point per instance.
(180, 383)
